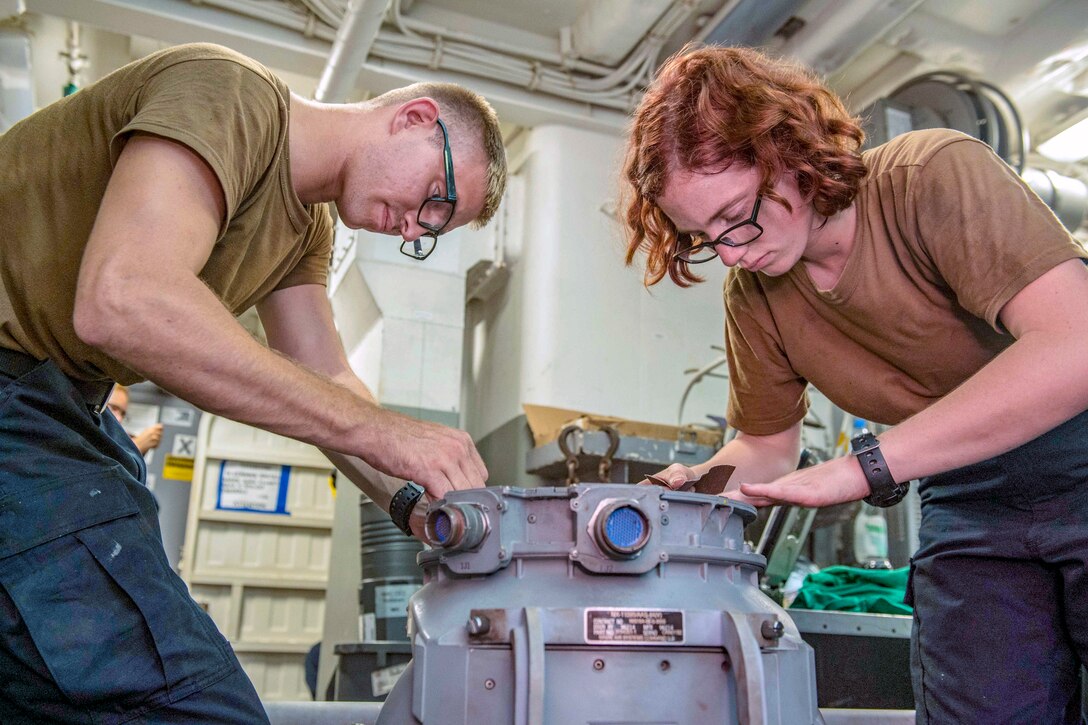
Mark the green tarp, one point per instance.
(849, 589)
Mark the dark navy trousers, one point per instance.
(999, 586)
(94, 625)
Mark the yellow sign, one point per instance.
(177, 468)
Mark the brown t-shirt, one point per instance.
(946, 235)
(54, 167)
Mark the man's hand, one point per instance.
(148, 438)
(837, 481)
(438, 458)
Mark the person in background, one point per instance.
(919, 284)
(147, 439)
(145, 212)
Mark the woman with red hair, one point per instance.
(921, 285)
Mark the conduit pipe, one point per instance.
(354, 39)
(1067, 196)
(463, 53)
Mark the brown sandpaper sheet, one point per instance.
(712, 482)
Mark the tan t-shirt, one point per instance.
(946, 235)
(54, 167)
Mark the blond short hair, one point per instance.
(470, 117)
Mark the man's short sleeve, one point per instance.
(228, 113)
(313, 268)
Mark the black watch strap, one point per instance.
(404, 500)
(883, 490)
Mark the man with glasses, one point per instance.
(921, 285)
(143, 214)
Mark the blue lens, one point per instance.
(625, 527)
(442, 526)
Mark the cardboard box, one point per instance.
(545, 423)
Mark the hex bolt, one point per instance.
(772, 629)
(531, 519)
(502, 553)
(489, 684)
(478, 625)
(501, 506)
(665, 666)
(598, 664)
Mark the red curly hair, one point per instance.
(711, 107)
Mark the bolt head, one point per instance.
(772, 629)
(478, 625)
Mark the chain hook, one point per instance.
(570, 454)
(604, 468)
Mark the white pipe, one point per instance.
(354, 39)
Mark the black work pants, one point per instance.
(999, 586)
(94, 625)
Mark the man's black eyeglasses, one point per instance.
(434, 213)
(698, 250)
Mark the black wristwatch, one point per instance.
(884, 491)
(404, 500)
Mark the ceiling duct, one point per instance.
(608, 30)
(751, 22)
(842, 31)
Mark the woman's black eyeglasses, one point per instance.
(698, 250)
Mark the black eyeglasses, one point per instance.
(699, 250)
(435, 212)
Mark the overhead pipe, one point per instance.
(1067, 196)
(844, 31)
(353, 42)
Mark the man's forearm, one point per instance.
(229, 373)
(374, 484)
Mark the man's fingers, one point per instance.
(465, 475)
(478, 463)
(436, 485)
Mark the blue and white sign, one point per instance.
(256, 487)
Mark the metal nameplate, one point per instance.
(630, 626)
